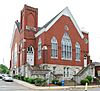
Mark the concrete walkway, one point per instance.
(32, 86)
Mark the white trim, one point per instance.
(65, 12)
(54, 57)
(66, 59)
(44, 48)
(14, 29)
(85, 32)
(73, 20)
(77, 60)
(40, 32)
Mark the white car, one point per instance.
(4, 75)
(8, 78)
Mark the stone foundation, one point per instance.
(60, 69)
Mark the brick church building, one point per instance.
(59, 47)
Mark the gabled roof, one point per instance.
(65, 12)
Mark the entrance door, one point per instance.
(30, 55)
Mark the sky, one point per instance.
(85, 12)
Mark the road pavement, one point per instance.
(14, 86)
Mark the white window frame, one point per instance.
(77, 47)
(54, 48)
(39, 48)
(66, 44)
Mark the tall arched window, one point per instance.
(54, 48)
(15, 55)
(39, 48)
(66, 47)
(77, 46)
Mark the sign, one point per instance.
(30, 28)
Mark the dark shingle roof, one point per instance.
(18, 25)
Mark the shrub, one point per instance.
(59, 83)
(22, 78)
(30, 80)
(55, 81)
(40, 82)
(17, 76)
(34, 80)
(26, 79)
(89, 78)
(84, 81)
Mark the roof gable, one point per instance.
(65, 12)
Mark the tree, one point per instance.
(3, 69)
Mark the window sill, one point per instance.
(54, 57)
(78, 60)
(66, 58)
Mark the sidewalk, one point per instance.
(32, 86)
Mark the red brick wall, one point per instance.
(30, 17)
(57, 30)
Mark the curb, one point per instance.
(32, 86)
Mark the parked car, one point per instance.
(8, 78)
(3, 76)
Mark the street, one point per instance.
(13, 86)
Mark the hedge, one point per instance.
(84, 81)
(36, 81)
(89, 78)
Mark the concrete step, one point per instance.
(70, 83)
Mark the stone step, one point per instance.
(70, 83)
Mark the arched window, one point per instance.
(30, 50)
(64, 71)
(15, 55)
(66, 47)
(54, 48)
(77, 46)
(68, 70)
(39, 48)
